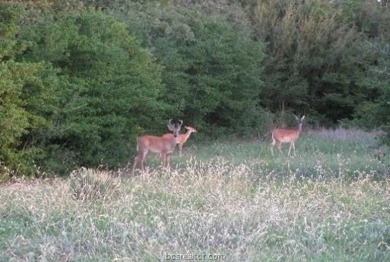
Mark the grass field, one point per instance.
(222, 201)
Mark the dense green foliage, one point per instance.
(212, 70)
(109, 86)
(79, 80)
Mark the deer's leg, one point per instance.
(180, 149)
(293, 146)
(279, 145)
(273, 145)
(289, 149)
(139, 160)
(163, 159)
(168, 159)
(142, 159)
(134, 164)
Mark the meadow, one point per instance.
(220, 201)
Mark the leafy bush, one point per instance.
(28, 97)
(212, 67)
(108, 89)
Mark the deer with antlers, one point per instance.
(280, 136)
(157, 144)
(182, 138)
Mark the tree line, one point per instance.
(79, 80)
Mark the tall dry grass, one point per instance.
(242, 205)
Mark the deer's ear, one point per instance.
(303, 118)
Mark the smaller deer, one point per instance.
(182, 138)
(157, 144)
(280, 136)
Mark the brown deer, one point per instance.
(182, 138)
(157, 144)
(280, 136)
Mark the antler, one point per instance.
(181, 122)
(170, 125)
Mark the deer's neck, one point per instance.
(174, 139)
(299, 127)
(187, 134)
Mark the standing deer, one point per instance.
(280, 136)
(182, 138)
(157, 144)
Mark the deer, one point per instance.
(182, 138)
(164, 146)
(280, 136)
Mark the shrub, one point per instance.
(89, 184)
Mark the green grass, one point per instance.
(231, 200)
